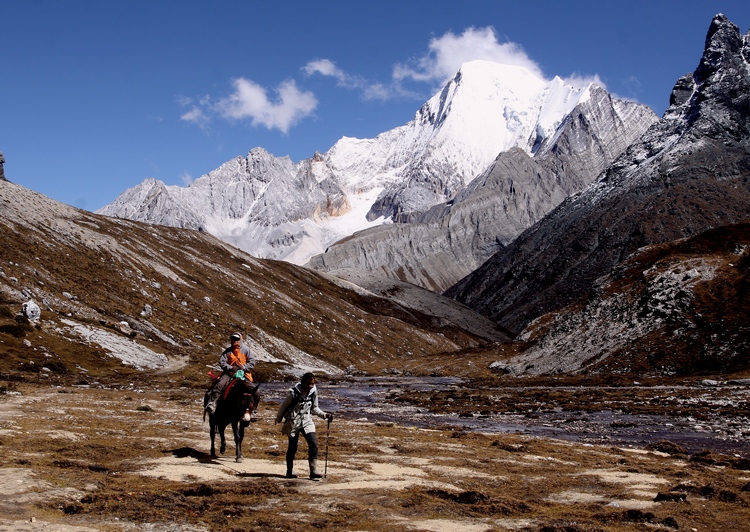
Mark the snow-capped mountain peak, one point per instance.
(275, 208)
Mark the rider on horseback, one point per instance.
(236, 357)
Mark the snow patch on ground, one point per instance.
(128, 351)
(301, 361)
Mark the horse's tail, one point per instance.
(205, 399)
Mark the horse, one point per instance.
(235, 406)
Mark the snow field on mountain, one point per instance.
(274, 208)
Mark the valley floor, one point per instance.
(80, 458)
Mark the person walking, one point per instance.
(236, 357)
(297, 410)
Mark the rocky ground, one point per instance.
(122, 458)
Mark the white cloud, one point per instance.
(369, 90)
(289, 104)
(195, 115)
(377, 91)
(186, 179)
(444, 57)
(199, 112)
(326, 67)
(250, 100)
(580, 82)
(447, 54)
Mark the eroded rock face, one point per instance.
(238, 189)
(452, 239)
(577, 340)
(672, 308)
(689, 172)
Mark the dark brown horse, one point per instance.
(235, 407)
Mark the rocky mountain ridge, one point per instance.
(452, 239)
(689, 173)
(86, 298)
(642, 273)
(274, 208)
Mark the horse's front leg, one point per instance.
(212, 424)
(239, 434)
(223, 439)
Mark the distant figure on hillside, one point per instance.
(235, 361)
(2, 162)
(297, 410)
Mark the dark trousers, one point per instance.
(215, 392)
(312, 447)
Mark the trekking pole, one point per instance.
(328, 430)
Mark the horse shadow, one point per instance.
(189, 452)
(206, 458)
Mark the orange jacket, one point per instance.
(237, 358)
(230, 360)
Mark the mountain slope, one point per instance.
(675, 308)
(274, 208)
(452, 239)
(118, 297)
(690, 172)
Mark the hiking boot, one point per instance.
(314, 475)
(289, 469)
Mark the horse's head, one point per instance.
(249, 406)
(239, 401)
(247, 403)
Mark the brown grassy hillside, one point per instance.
(112, 289)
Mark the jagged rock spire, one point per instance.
(2, 171)
(723, 44)
(688, 173)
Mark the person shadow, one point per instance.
(206, 458)
(260, 475)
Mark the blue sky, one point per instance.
(98, 95)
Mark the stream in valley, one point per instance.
(387, 399)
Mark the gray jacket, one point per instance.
(299, 409)
(226, 368)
